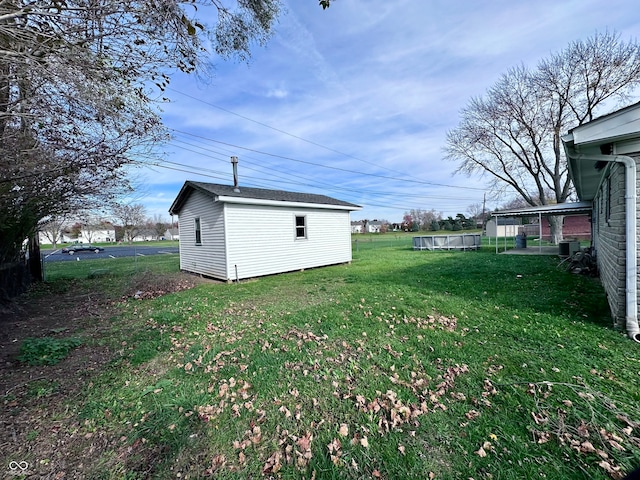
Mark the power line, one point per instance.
(311, 143)
(329, 186)
(277, 129)
(385, 177)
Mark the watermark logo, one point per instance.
(17, 468)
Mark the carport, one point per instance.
(558, 209)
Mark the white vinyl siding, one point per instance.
(260, 239)
(207, 257)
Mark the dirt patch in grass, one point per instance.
(38, 421)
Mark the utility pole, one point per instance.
(484, 202)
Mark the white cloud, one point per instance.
(277, 93)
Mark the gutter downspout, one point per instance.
(633, 330)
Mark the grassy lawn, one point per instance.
(402, 364)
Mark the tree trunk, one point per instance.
(555, 227)
(35, 267)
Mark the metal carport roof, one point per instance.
(574, 208)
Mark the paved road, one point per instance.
(109, 252)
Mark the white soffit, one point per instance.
(610, 128)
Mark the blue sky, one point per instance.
(355, 101)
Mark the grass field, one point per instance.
(403, 364)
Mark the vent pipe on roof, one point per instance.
(234, 162)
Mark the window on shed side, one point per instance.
(198, 231)
(301, 226)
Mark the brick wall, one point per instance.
(610, 240)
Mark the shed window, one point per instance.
(198, 231)
(301, 226)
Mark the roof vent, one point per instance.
(234, 162)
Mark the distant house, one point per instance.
(357, 226)
(87, 235)
(374, 226)
(232, 233)
(97, 235)
(172, 234)
(603, 157)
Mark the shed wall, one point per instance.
(209, 257)
(493, 230)
(261, 240)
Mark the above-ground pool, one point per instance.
(464, 241)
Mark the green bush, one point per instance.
(46, 350)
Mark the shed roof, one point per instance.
(256, 196)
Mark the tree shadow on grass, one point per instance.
(468, 279)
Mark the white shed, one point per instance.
(235, 233)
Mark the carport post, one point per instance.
(540, 228)
(496, 219)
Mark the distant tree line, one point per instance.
(432, 221)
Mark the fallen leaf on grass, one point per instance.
(587, 447)
(471, 414)
(616, 445)
(285, 410)
(256, 435)
(583, 430)
(542, 437)
(482, 451)
(334, 451)
(611, 470)
(217, 463)
(273, 464)
(305, 455)
(344, 430)
(305, 441)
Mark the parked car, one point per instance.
(81, 247)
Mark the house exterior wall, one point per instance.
(261, 240)
(609, 239)
(209, 257)
(573, 226)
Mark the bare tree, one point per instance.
(158, 225)
(132, 219)
(513, 132)
(93, 223)
(52, 228)
(475, 210)
(423, 218)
